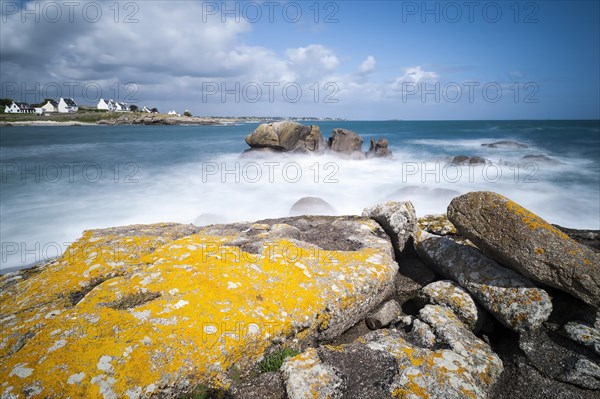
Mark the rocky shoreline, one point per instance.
(488, 302)
(165, 120)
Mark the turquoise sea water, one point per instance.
(58, 181)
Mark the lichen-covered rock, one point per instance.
(264, 386)
(287, 136)
(383, 364)
(345, 141)
(560, 359)
(387, 314)
(160, 309)
(436, 224)
(510, 297)
(523, 241)
(398, 219)
(306, 377)
(449, 294)
(583, 335)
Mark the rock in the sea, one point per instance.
(505, 144)
(378, 149)
(387, 314)
(465, 160)
(383, 364)
(398, 219)
(345, 141)
(523, 241)
(312, 206)
(541, 158)
(449, 294)
(287, 136)
(557, 358)
(157, 310)
(507, 295)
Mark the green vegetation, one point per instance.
(274, 361)
(4, 102)
(187, 113)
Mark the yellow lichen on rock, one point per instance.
(532, 220)
(157, 313)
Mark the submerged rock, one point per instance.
(510, 297)
(312, 206)
(523, 241)
(505, 144)
(160, 309)
(541, 158)
(465, 160)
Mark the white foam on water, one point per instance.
(229, 188)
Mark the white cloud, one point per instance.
(416, 75)
(312, 61)
(367, 65)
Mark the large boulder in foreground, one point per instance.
(384, 364)
(345, 141)
(287, 136)
(528, 244)
(157, 310)
(507, 295)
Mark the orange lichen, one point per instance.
(532, 220)
(216, 308)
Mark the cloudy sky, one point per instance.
(346, 59)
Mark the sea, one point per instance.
(57, 182)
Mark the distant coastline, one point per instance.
(91, 118)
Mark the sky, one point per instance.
(369, 60)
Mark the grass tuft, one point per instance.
(274, 361)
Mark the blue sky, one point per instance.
(374, 59)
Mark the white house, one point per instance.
(146, 109)
(108, 105)
(174, 113)
(50, 107)
(40, 111)
(19, 108)
(122, 107)
(67, 105)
